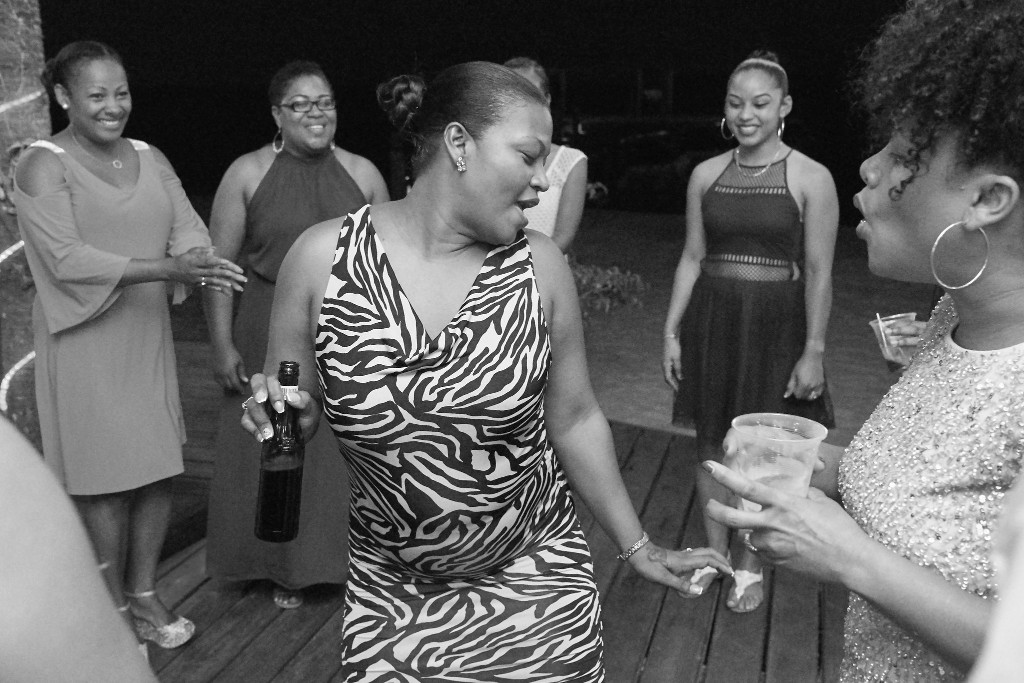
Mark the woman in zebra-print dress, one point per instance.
(451, 367)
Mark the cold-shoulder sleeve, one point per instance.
(188, 230)
(74, 280)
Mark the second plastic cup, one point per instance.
(894, 354)
(774, 449)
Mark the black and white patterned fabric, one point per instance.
(467, 559)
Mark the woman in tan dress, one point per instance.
(106, 226)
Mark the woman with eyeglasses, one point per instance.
(266, 199)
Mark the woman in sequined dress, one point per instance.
(923, 482)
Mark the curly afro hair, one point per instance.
(950, 66)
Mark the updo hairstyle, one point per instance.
(767, 62)
(942, 67)
(475, 94)
(63, 68)
(288, 74)
(526, 64)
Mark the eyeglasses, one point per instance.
(323, 103)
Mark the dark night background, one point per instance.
(199, 70)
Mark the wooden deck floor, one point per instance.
(651, 634)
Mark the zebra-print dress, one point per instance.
(467, 559)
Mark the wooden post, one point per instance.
(24, 116)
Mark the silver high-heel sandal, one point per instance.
(169, 636)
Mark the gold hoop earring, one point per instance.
(935, 246)
(460, 165)
(782, 128)
(722, 128)
(273, 143)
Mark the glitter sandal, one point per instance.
(168, 636)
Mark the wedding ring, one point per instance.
(750, 546)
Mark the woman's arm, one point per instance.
(815, 536)
(298, 296)
(58, 622)
(570, 206)
(227, 232)
(366, 176)
(821, 221)
(687, 273)
(579, 432)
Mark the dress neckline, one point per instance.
(400, 291)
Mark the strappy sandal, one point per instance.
(742, 580)
(287, 599)
(168, 636)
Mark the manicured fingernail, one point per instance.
(708, 465)
(696, 590)
(268, 432)
(259, 437)
(260, 396)
(279, 406)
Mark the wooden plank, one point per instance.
(223, 639)
(274, 648)
(737, 646)
(834, 600)
(680, 640)
(639, 474)
(793, 629)
(181, 575)
(320, 659)
(636, 603)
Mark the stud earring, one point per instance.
(460, 165)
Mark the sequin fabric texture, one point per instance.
(926, 476)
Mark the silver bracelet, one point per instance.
(631, 550)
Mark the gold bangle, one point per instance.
(631, 550)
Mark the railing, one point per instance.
(22, 119)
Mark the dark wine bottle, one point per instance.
(280, 492)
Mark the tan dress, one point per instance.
(106, 382)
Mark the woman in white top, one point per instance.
(561, 206)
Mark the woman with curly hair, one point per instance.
(923, 482)
(745, 329)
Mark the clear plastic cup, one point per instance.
(897, 356)
(774, 449)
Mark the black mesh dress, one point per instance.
(745, 326)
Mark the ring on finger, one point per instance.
(202, 281)
(750, 546)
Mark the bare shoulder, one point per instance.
(39, 171)
(248, 170)
(160, 157)
(353, 163)
(806, 171)
(314, 248)
(708, 170)
(554, 279)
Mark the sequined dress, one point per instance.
(926, 476)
